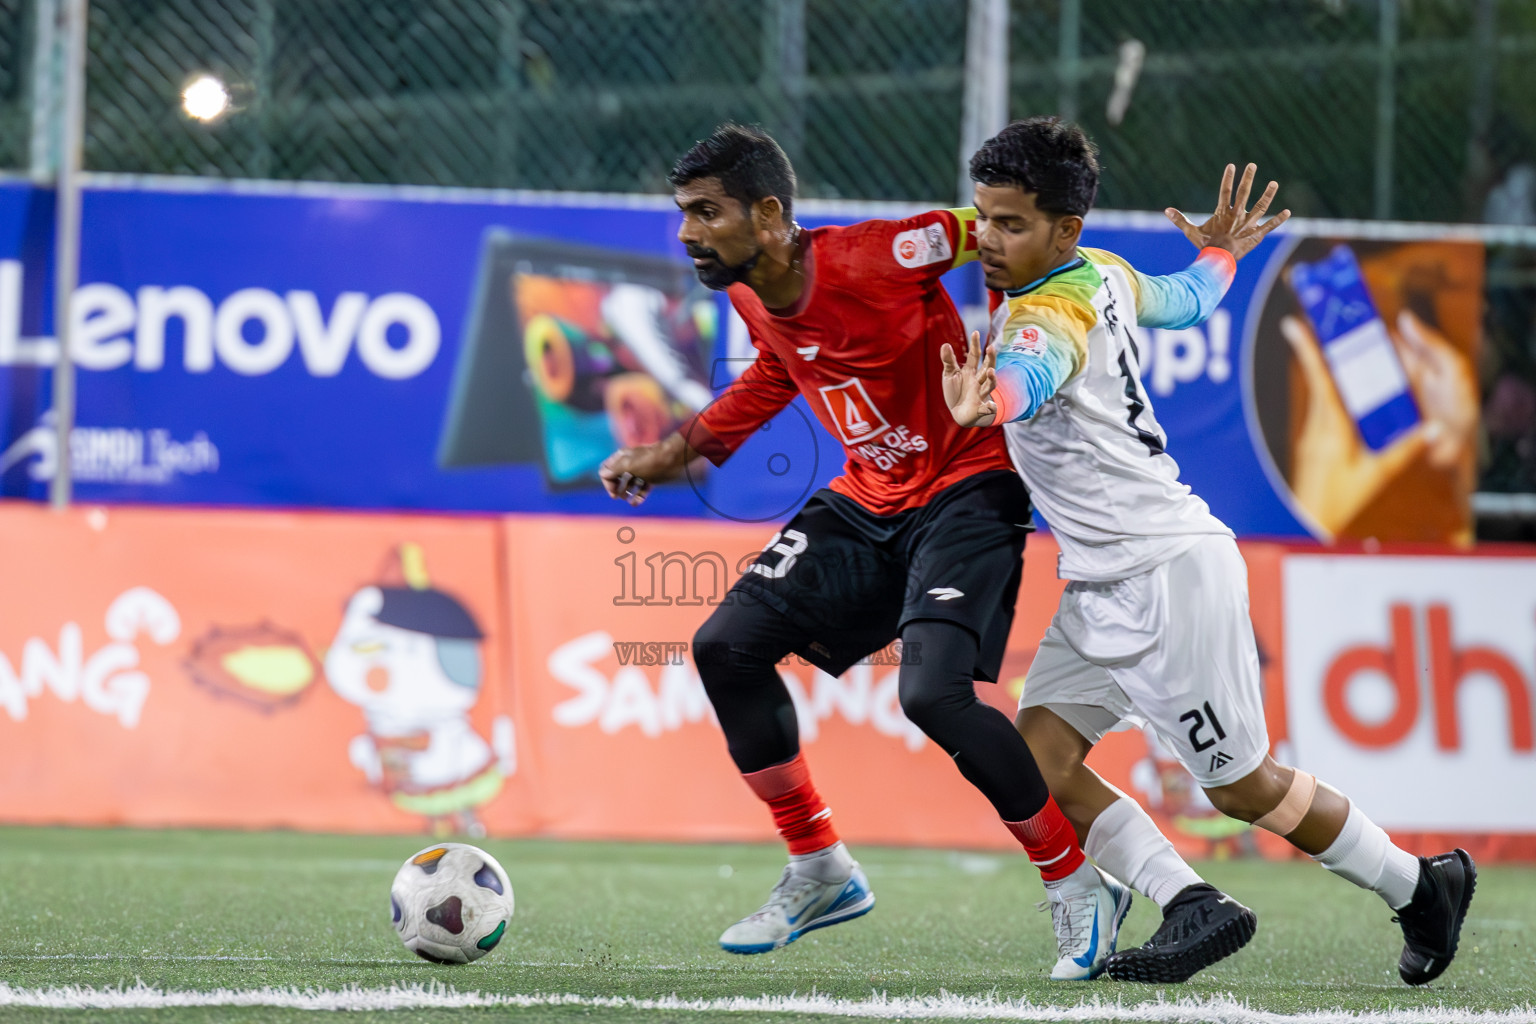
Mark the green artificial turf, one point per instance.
(108, 908)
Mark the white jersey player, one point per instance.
(1153, 626)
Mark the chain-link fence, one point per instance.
(17, 36)
(595, 96)
(1410, 109)
(1362, 109)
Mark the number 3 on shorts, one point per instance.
(792, 546)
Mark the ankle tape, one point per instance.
(1293, 807)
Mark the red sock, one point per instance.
(802, 818)
(1050, 841)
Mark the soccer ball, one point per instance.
(451, 903)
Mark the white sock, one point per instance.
(834, 864)
(1366, 856)
(1125, 842)
(1084, 879)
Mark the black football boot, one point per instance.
(1201, 925)
(1432, 919)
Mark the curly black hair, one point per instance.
(748, 162)
(1046, 156)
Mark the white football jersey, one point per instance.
(1093, 454)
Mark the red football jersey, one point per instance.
(862, 345)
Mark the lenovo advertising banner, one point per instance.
(414, 350)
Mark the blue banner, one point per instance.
(351, 348)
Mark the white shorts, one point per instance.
(1172, 648)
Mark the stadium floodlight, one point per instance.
(205, 98)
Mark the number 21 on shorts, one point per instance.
(789, 543)
(1198, 722)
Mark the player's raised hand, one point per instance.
(1233, 227)
(968, 389)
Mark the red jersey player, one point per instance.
(921, 538)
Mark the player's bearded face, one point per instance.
(714, 272)
(718, 233)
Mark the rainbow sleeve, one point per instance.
(1187, 298)
(1040, 350)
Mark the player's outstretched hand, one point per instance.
(630, 473)
(968, 389)
(1233, 227)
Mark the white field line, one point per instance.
(346, 960)
(180, 957)
(945, 1006)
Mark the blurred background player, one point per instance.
(1154, 623)
(921, 538)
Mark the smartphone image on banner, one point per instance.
(1359, 352)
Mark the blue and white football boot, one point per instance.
(799, 904)
(1086, 911)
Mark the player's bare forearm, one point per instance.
(630, 473)
(1233, 226)
(974, 416)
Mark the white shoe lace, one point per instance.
(786, 894)
(1070, 921)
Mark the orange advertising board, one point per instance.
(346, 672)
(247, 669)
(620, 733)
(602, 614)
(517, 676)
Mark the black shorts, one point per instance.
(850, 580)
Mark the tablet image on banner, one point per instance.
(572, 351)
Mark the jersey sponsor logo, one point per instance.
(807, 352)
(946, 593)
(852, 411)
(1029, 341)
(897, 444)
(921, 247)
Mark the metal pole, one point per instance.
(791, 75)
(986, 83)
(1069, 46)
(782, 83)
(45, 92)
(262, 105)
(1386, 107)
(66, 271)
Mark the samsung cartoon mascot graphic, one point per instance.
(409, 656)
